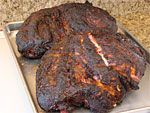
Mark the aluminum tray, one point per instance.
(135, 102)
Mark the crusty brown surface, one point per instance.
(87, 62)
(75, 75)
(48, 26)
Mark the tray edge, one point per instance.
(6, 31)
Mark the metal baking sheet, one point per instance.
(135, 102)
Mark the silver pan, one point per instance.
(135, 102)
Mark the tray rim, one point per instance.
(7, 31)
(11, 27)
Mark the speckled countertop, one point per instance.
(133, 14)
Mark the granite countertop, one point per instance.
(139, 25)
(133, 14)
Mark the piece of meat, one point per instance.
(90, 70)
(87, 62)
(48, 26)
